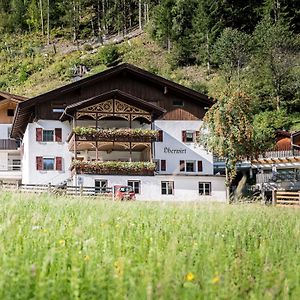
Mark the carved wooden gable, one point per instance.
(113, 107)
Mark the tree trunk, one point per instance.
(42, 17)
(74, 21)
(208, 55)
(48, 22)
(140, 15)
(227, 181)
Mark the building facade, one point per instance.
(10, 151)
(280, 168)
(124, 126)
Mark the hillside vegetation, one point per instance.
(215, 47)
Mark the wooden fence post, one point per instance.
(49, 188)
(274, 197)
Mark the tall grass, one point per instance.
(55, 248)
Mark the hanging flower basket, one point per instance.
(113, 167)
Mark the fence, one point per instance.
(58, 190)
(284, 198)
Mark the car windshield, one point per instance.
(125, 189)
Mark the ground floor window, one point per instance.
(205, 188)
(136, 185)
(100, 185)
(167, 187)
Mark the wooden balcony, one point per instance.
(113, 168)
(114, 135)
(278, 156)
(8, 144)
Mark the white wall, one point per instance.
(32, 149)
(4, 130)
(185, 187)
(3, 161)
(172, 138)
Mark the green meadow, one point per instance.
(71, 248)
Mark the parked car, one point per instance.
(124, 192)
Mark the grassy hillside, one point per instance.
(29, 67)
(95, 249)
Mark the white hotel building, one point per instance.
(124, 126)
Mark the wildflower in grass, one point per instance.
(119, 268)
(190, 276)
(216, 279)
(45, 230)
(62, 242)
(86, 258)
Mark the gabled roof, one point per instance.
(25, 111)
(115, 94)
(12, 97)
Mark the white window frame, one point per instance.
(169, 185)
(134, 182)
(206, 186)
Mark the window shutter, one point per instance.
(39, 163)
(58, 166)
(184, 136)
(58, 134)
(182, 166)
(200, 166)
(160, 136)
(39, 134)
(163, 165)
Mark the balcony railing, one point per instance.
(113, 167)
(114, 135)
(280, 153)
(8, 144)
(278, 177)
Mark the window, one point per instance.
(58, 110)
(100, 185)
(48, 164)
(167, 187)
(16, 164)
(189, 136)
(187, 166)
(190, 166)
(48, 135)
(136, 185)
(178, 103)
(205, 188)
(10, 112)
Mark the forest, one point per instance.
(250, 46)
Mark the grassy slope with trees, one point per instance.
(216, 47)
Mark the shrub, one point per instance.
(109, 55)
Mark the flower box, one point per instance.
(113, 168)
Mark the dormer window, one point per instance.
(10, 112)
(178, 103)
